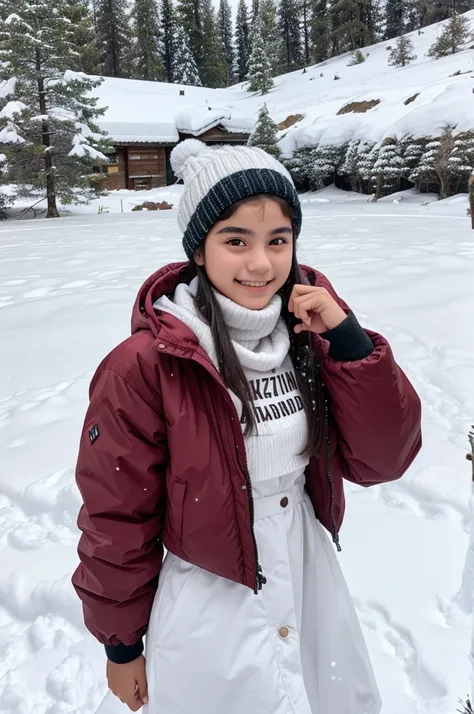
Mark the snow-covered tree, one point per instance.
(190, 13)
(270, 34)
(289, 17)
(412, 149)
(168, 23)
(403, 52)
(260, 73)
(185, 70)
(319, 24)
(148, 42)
(213, 71)
(242, 41)
(349, 166)
(446, 161)
(367, 153)
(358, 57)
(47, 124)
(264, 134)
(452, 38)
(79, 13)
(325, 161)
(299, 165)
(114, 35)
(224, 22)
(388, 168)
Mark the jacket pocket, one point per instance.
(177, 507)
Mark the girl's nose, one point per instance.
(259, 263)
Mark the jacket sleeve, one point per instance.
(375, 408)
(121, 476)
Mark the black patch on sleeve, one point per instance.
(94, 433)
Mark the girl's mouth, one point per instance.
(253, 285)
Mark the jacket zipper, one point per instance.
(260, 579)
(335, 535)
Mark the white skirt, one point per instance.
(213, 646)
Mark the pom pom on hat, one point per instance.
(184, 151)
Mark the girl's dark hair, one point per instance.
(302, 355)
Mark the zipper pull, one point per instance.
(261, 579)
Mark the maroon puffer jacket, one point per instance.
(162, 462)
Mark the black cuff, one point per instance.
(348, 342)
(121, 654)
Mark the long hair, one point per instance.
(302, 355)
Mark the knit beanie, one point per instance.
(217, 177)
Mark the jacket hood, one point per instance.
(164, 282)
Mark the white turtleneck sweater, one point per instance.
(261, 342)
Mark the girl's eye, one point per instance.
(235, 242)
(278, 241)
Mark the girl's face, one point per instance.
(248, 256)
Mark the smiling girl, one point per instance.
(222, 430)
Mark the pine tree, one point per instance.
(388, 168)
(185, 70)
(265, 134)
(350, 22)
(299, 165)
(445, 162)
(435, 11)
(270, 34)
(367, 154)
(464, 6)
(114, 36)
(394, 18)
(148, 47)
(51, 141)
(412, 149)
(255, 11)
(453, 37)
(242, 42)
(402, 53)
(224, 21)
(320, 30)
(214, 67)
(168, 21)
(80, 15)
(289, 27)
(325, 161)
(349, 165)
(260, 75)
(190, 13)
(305, 8)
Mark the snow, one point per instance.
(139, 111)
(7, 87)
(9, 135)
(67, 286)
(11, 109)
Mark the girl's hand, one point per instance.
(128, 682)
(316, 308)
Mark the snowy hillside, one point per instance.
(441, 99)
(66, 291)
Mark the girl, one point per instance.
(222, 429)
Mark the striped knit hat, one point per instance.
(216, 178)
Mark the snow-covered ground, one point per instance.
(66, 291)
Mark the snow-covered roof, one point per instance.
(139, 111)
